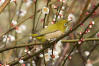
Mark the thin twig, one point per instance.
(76, 40)
(83, 11)
(4, 5)
(18, 46)
(34, 17)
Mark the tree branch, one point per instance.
(4, 5)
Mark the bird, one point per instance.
(53, 31)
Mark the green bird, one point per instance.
(53, 30)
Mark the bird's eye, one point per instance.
(65, 24)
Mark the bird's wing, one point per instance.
(53, 35)
(49, 29)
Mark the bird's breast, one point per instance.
(53, 35)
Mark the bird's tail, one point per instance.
(39, 37)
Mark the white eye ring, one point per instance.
(65, 24)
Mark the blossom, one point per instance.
(1, 2)
(12, 38)
(47, 57)
(79, 42)
(12, 0)
(45, 26)
(71, 17)
(41, 55)
(58, 17)
(8, 38)
(89, 63)
(21, 28)
(87, 53)
(90, 26)
(54, 6)
(61, 12)
(29, 52)
(63, 7)
(97, 34)
(33, 62)
(25, 50)
(13, 23)
(21, 12)
(28, 3)
(37, 49)
(21, 61)
(45, 10)
(62, 1)
(54, 19)
(93, 22)
(53, 54)
(52, 22)
(58, 46)
(4, 38)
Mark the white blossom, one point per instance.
(33, 62)
(8, 38)
(54, 6)
(21, 61)
(21, 12)
(12, 38)
(58, 17)
(61, 12)
(14, 22)
(61, 0)
(56, 55)
(29, 52)
(52, 22)
(79, 42)
(47, 57)
(93, 22)
(12, 0)
(28, 3)
(21, 28)
(4, 38)
(37, 49)
(41, 55)
(25, 50)
(63, 7)
(30, 37)
(89, 63)
(71, 18)
(64, 1)
(56, 51)
(54, 19)
(7, 65)
(45, 26)
(45, 10)
(58, 46)
(87, 53)
(34, 39)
